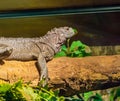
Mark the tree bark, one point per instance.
(70, 75)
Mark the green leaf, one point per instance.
(63, 48)
(75, 45)
(56, 92)
(28, 93)
(60, 54)
(75, 31)
(115, 94)
(77, 52)
(2, 99)
(4, 87)
(98, 97)
(61, 98)
(87, 95)
(17, 84)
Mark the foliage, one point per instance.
(112, 95)
(76, 49)
(90, 96)
(115, 94)
(23, 92)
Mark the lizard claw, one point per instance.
(43, 81)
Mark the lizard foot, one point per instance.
(43, 80)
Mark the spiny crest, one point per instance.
(59, 30)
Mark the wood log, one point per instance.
(70, 75)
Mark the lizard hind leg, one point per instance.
(43, 70)
(5, 51)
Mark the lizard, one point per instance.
(41, 49)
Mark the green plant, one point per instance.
(23, 92)
(76, 49)
(90, 96)
(112, 95)
(115, 94)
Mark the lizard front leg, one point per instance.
(43, 69)
(5, 51)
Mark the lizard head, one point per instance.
(56, 37)
(68, 32)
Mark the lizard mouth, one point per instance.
(75, 31)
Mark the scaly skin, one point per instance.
(41, 49)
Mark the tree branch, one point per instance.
(70, 75)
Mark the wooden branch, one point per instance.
(70, 75)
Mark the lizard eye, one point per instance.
(67, 28)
